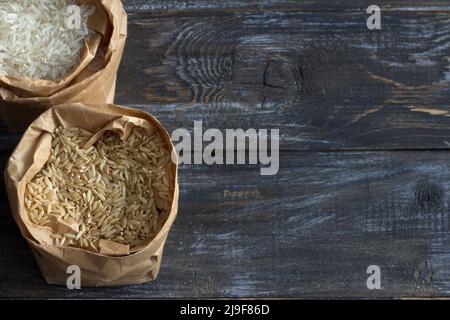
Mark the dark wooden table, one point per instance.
(364, 163)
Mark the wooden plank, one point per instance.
(8, 141)
(322, 78)
(155, 7)
(310, 231)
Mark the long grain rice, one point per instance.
(38, 40)
(89, 187)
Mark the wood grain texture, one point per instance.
(310, 231)
(150, 7)
(322, 78)
(354, 108)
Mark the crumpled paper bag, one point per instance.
(111, 266)
(93, 81)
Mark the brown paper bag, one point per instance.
(31, 154)
(92, 82)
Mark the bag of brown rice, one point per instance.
(95, 188)
(55, 52)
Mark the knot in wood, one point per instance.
(428, 195)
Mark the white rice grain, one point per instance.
(37, 39)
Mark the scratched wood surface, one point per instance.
(364, 167)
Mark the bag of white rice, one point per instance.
(43, 39)
(97, 189)
(57, 51)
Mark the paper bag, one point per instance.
(92, 81)
(31, 154)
